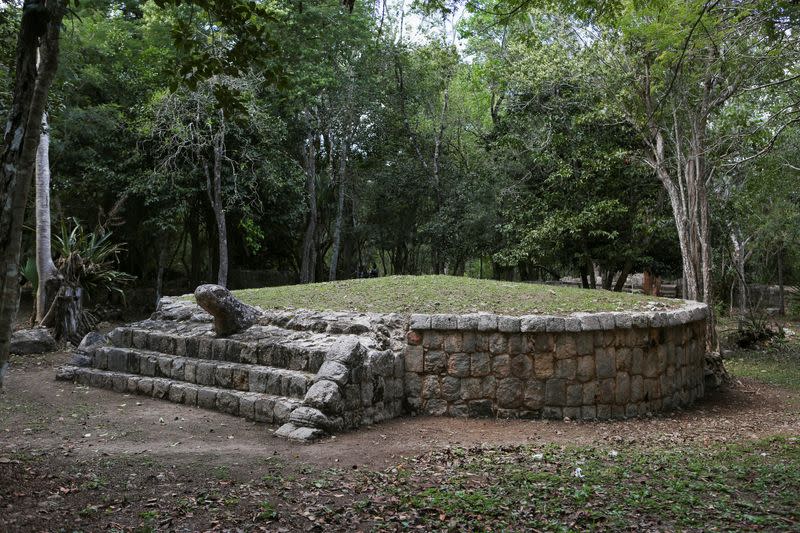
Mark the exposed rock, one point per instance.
(32, 341)
(230, 314)
(325, 396)
(84, 353)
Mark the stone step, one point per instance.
(212, 373)
(259, 345)
(267, 408)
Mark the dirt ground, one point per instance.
(74, 458)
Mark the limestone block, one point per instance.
(623, 388)
(458, 365)
(487, 322)
(498, 343)
(543, 365)
(605, 391)
(435, 362)
(510, 392)
(480, 364)
(508, 324)
(521, 366)
(534, 394)
(480, 409)
(451, 388)
(223, 376)
(468, 322)
(606, 363)
(533, 324)
(566, 369)
(413, 358)
(453, 342)
(555, 392)
(420, 322)
(566, 346)
(555, 324)
(444, 322)
(435, 407)
(432, 340)
(501, 366)
(333, 371)
(585, 370)
(430, 387)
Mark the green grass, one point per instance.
(443, 294)
(776, 365)
(732, 487)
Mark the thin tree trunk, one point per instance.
(44, 256)
(781, 288)
(39, 28)
(162, 262)
(337, 229)
(309, 262)
(214, 182)
(623, 276)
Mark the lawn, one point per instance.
(444, 294)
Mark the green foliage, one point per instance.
(89, 259)
(30, 273)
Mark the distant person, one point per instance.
(373, 273)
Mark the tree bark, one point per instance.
(309, 262)
(337, 229)
(781, 288)
(214, 183)
(623, 276)
(39, 29)
(44, 256)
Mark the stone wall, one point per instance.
(585, 366)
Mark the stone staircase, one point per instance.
(263, 374)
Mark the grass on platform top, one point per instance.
(444, 294)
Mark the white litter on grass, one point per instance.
(538, 456)
(578, 473)
(613, 453)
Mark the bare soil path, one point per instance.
(77, 458)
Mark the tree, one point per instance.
(39, 34)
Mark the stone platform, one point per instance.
(316, 373)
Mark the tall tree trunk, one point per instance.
(44, 256)
(781, 288)
(337, 228)
(39, 28)
(309, 262)
(623, 276)
(214, 183)
(162, 263)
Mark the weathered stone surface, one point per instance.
(585, 370)
(230, 314)
(305, 416)
(435, 362)
(533, 323)
(458, 365)
(534, 394)
(325, 396)
(509, 392)
(543, 365)
(555, 392)
(606, 363)
(508, 324)
(31, 341)
(333, 371)
(444, 322)
(501, 366)
(347, 350)
(480, 364)
(480, 409)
